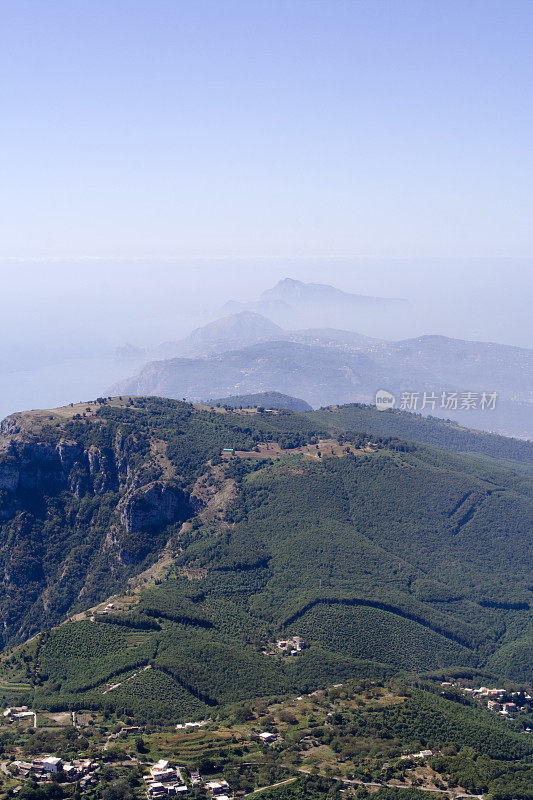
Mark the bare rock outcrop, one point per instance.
(9, 474)
(154, 505)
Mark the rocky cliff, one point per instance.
(83, 506)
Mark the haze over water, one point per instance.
(63, 321)
(162, 158)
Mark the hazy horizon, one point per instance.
(160, 159)
(147, 302)
(64, 320)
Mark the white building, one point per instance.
(268, 737)
(217, 788)
(51, 764)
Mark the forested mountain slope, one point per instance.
(445, 434)
(382, 555)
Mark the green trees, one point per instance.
(430, 430)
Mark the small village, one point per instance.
(44, 768)
(498, 700)
(180, 760)
(162, 780)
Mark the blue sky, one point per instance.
(249, 128)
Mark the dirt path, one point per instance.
(272, 786)
(134, 675)
(449, 792)
(452, 793)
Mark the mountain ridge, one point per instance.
(327, 368)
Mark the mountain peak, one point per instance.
(237, 321)
(225, 333)
(290, 290)
(295, 304)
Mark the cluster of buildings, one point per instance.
(289, 647)
(497, 699)
(165, 780)
(14, 713)
(292, 646)
(188, 725)
(421, 754)
(43, 767)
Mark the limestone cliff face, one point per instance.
(38, 465)
(102, 469)
(9, 474)
(68, 466)
(80, 513)
(69, 454)
(154, 505)
(9, 479)
(52, 468)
